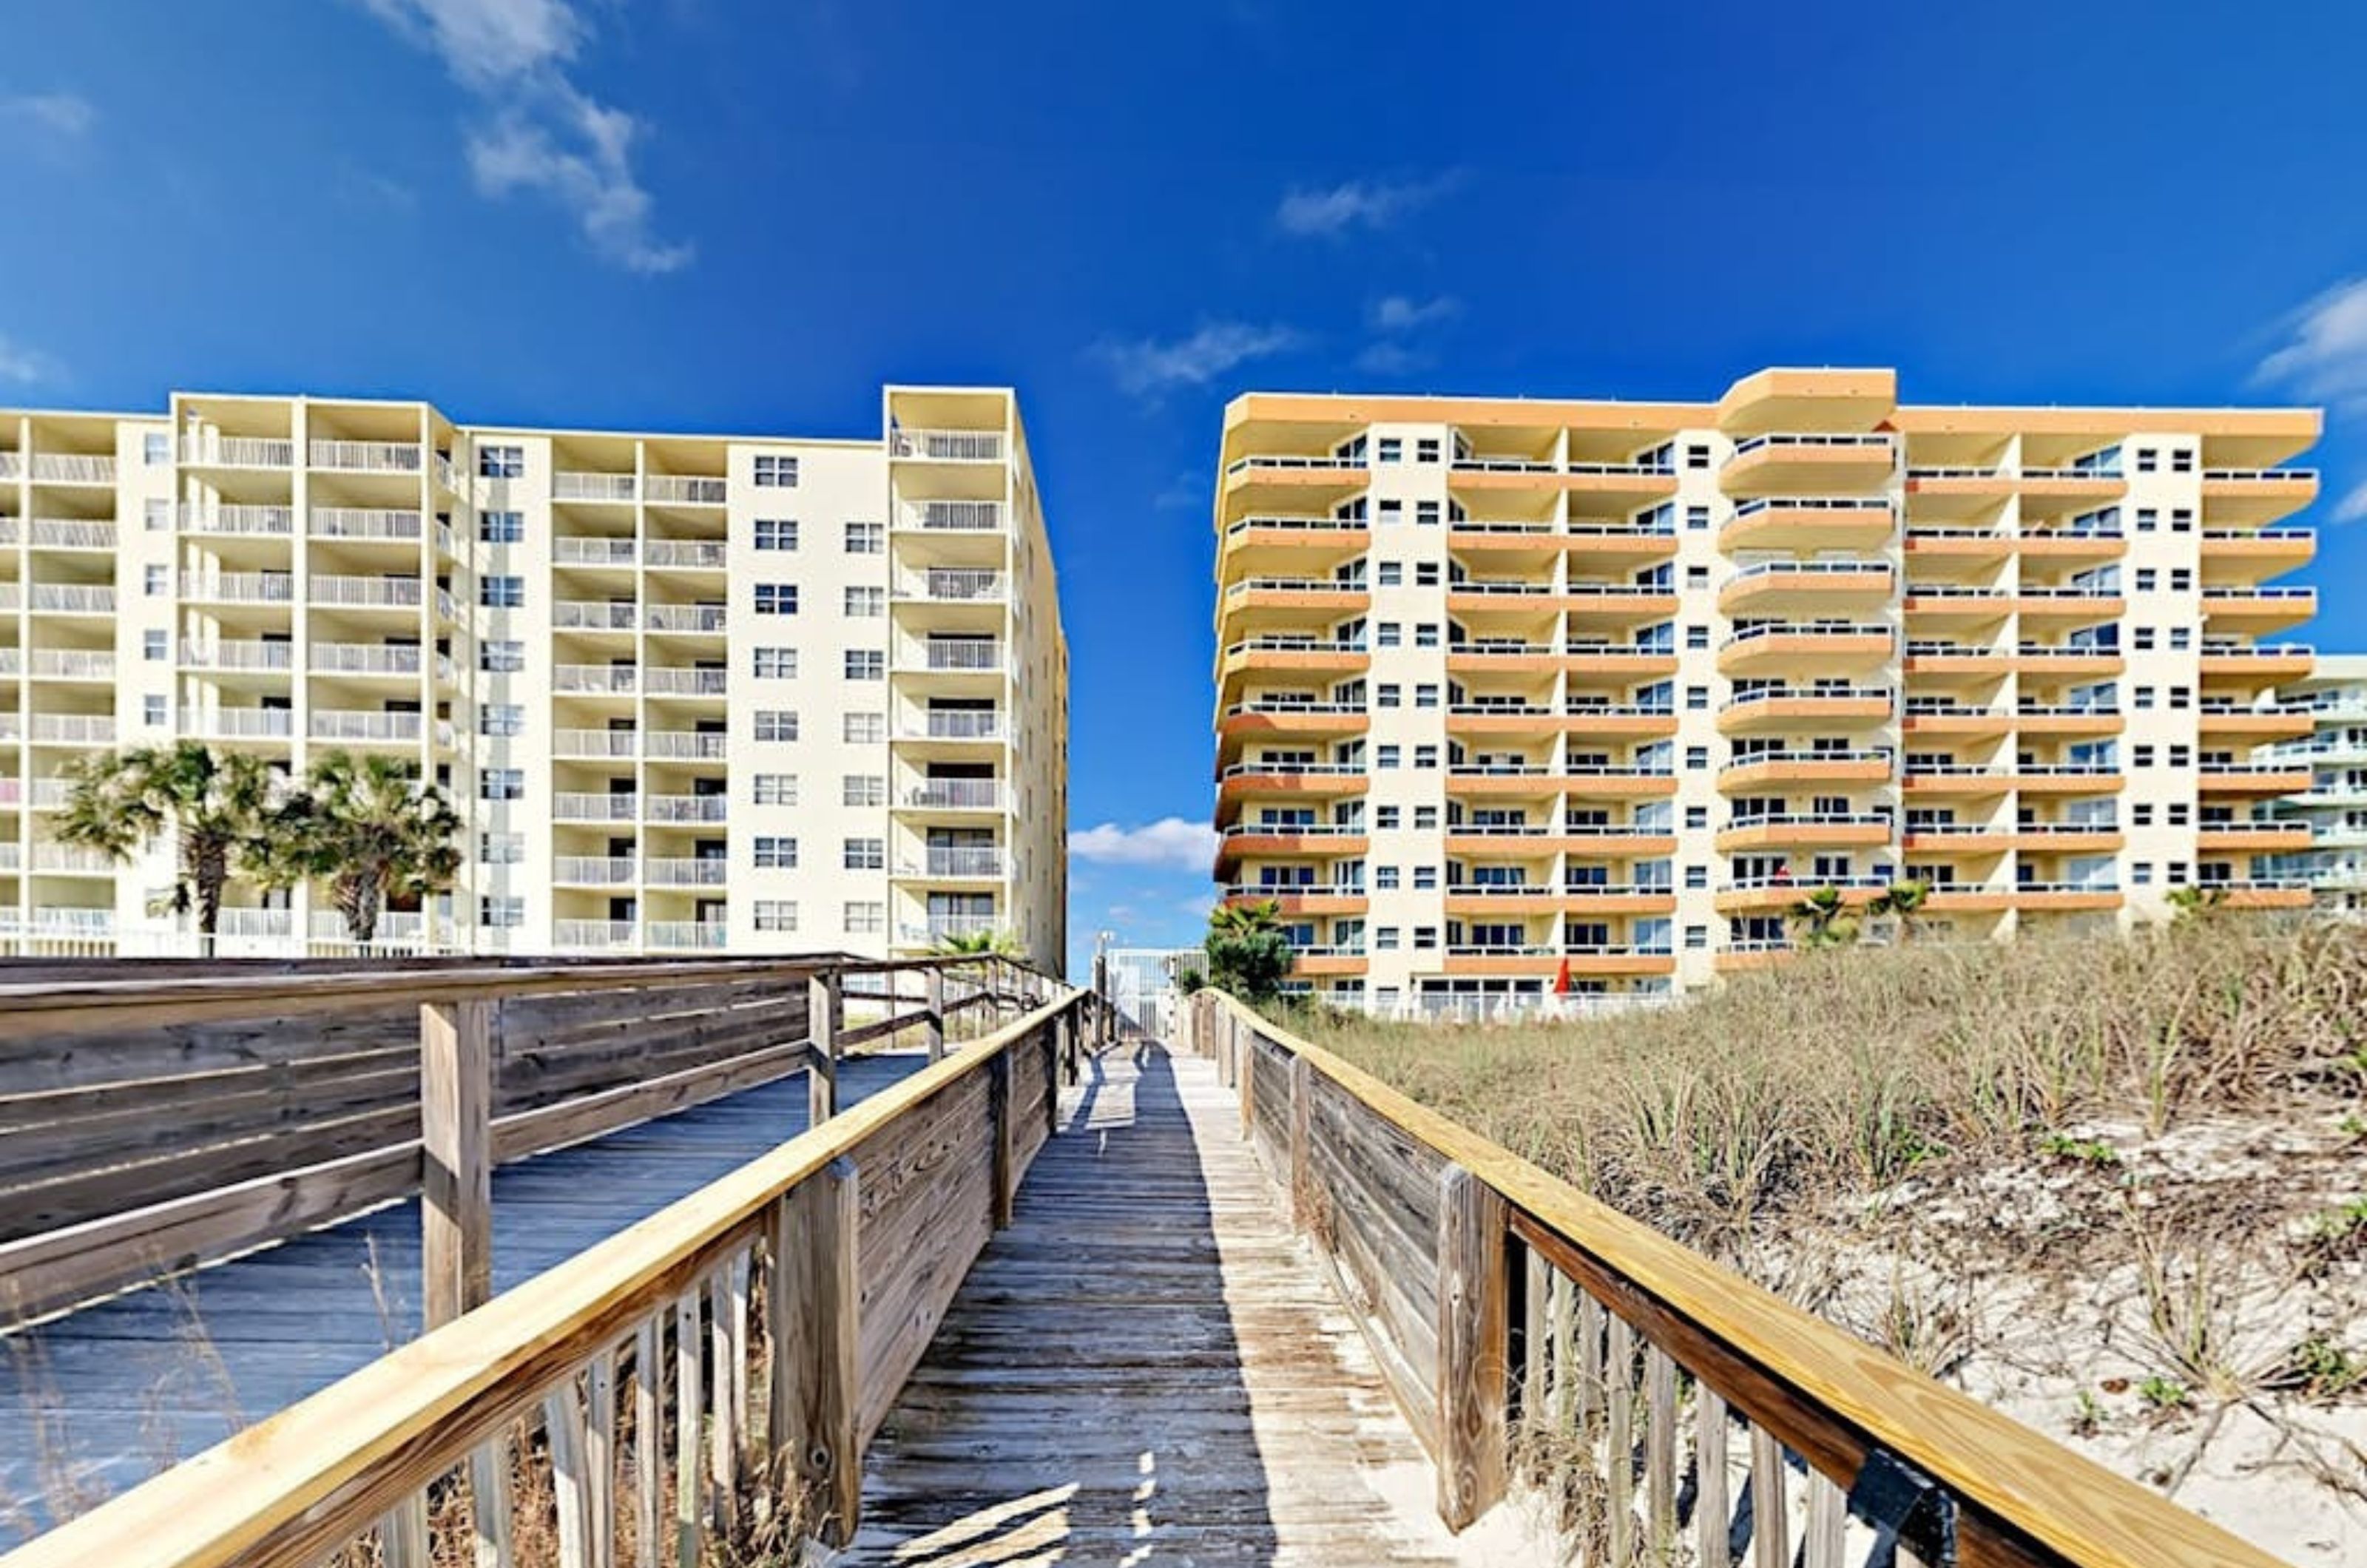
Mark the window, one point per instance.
(2182, 459)
(2178, 873)
(863, 789)
(2148, 519)
(1384, 939)
(866, 917)
(1696, 937)
(865, 664)
(864, 855)
(866, 729)
(2181, 580)
(1425, 514)
(1696, 876)
(1425, 756)
(501, 718)
(777, 724)
(1425, 879)
(777, 663)
(2182, 638)
(2142, 756)
(500, 848)
(502, 784)
(777, 473)
(501, 591)
(1388, 449)
(500, 462)
(1425, 574)
(2146, 459)
(501, 912)
(1425, 695)
(501, 655)
(1389, 694)
(867, 538)
(1425, 819)
(1385, 756)
(2145, 697)
(151, 712)
(777, 914)
(777, 532)
(502, 527)
(157, 579)
(154, 646)
(1390, 510)
(774, 853)
(1425, 449)
(2181, 520)
(1387, 633)
(2181, 696)
(1696, 457)
(156, 447)
(1384, 878)
(2141, 814)
(1385, 816)
(1697, 817)
(1697, 518)
(777, 789)
(2145, 579)
(2141, 874)
(863, 603)
(776, 598)
(1696, 577)
(1697, 698)
(1425, 634)
(2180, 814)
(1392, 574)
(1696, 636)
(2142, 639)
(2181, 757)
(1696, 758)
(1425, 937)
(158, 516)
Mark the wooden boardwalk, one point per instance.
(1148, 1367)
(95, 1402)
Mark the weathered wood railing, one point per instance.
(717, 1367)
(150, 1124)
(1674, 1412)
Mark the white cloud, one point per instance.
(1146, 368)
(1388, 358)
(1169, 841)
(69, 117)
(2352, 506)
(2326, 354)
(1370, 204)
(547, 136)
(1400, 312)
(22, 365)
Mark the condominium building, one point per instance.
(2332, 809)
(744, 693)
(1506, 686)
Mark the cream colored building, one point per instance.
(738, 694)
(1508, 684)
(2332, 809)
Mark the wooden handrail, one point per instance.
(1828, 1397)
(321, 1473)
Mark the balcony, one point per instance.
(2256, 495)
(69, 664)
(2260, 892)
(1805, 586)
(247, 724)
(1782, 707)
(1774, 769)
(595, 743)
(240, 520)
(71, 728)
(592, 549)
(243, 655)
(966, 724)
(366, 456)
(953, 862)
(953, 517)
(71, 599)
(2256, 721)
(683, 745)
(685, 490)
(690, 554)
(578, 486)
(592, 871)
(1301, 898)
(686, 871)
(592, 615)
(1806, 831)
(687, 808)
(68, 860)
(978, 656)
(701, 620)
(2068, 718)
(595, 936)
(1807, 645)
(947, 927)
(2260, 551)
(1278, 654)
(211, 449)
(947, 445)
(1941, 656)
(1861, 524)
(593, 680)
(362, 725)
(1595, 656)
(1573, 717)
(2258, 836)
(956, 794)
(362, 659)
(1941, 540)
(1282, 719)
(2070, 603)
(1774, 894)
(1545, 960)
(2257, 777)
(675, 681)
(366, 592)
(1247, 839)
(72, 534)
(1295, 593)
(2251, 611)
(953, 585)
(1292, 778)
(364, 523)
(2258, 662)
(2067, 778)
(2097, 543)
(71, 469)
(587, 806)
(1296, 538)
(1797, 464)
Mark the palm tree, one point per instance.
(1902, 900)
(2195, 903)
(1822, 919)
(1249, 953)
(1246, 919)
(215, 807)
(373, 830)
(978, 944)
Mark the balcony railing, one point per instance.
(366, 456)
(592, 806)
(74, 728)
(942, 861)
(1322, 830)
(956, 794)
(74, 599)
(686, 871)
(1845, 442)
(237, 519)
(581, 550)
(71, 859)
(951, 585)
(687, 808)
(244, 654)
(71, 664)
(685, 617)
(2271, 475)
(940, 927)
(594, 935)
(1811, 503)
(390, 592)
(594, 677)
(363, 659)
(706, 936)
(363, 523)
(211, 449)
(593, 615)
(677, 681)
(594, 743)
(72, 534)
(71, 468)
(357, 723)
(952, 446)
(710, 554)
(1818, 693)
(685, 744)
(594, 870)
(956, 725)
(977, 655)
(591, 487)
(1821, 629)
(686, 490)
(956, 516)
(248, 724)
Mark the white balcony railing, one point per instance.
(588, 806)
(950, 445)
(593, 614)
(360, 724)
(594, 870)
(388, 592)
(686, 490)
(364, 658)
(957, 724)
(239, 519)
(240, 587)
(687, 808)
(594, 677)
(686, 871)
(74, 599)
(74, 728)
(368, 456)
(72, 534)
(685, 617)
(363, 523)
(71, 664)
(676, 681)
(706, 936)
(692, 744)
(956, 516)
(593, 935)
(587, 549)
(952, 585)
(939, 928)
(72, 469)
(702, 554)
(210, 448)
(256, 922)
(591, 487)
(956, 794)
(966, 653)
(957, 861)
(248, 724)
(594, 743)
(242, 654)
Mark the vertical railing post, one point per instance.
(1302, 1174)
(456, 1107)
(822, 1032)
(1245, 1075)
(814, 1305)
(1052, 1044)
(936, 1025)
(1000, 1135)
(1103, 1020)
(1474, 1347)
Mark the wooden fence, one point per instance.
(718, 1367)
(1672, 1410)
(154, 1124)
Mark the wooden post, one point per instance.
(814, 1307)
(999, 1134)
(456, 1107)
(1474, 1347)
(1302, 1171)
(821, 1031)
(1246, 1076)
(1050, 1040)
(936, 1025)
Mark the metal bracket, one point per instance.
(1907, 1508)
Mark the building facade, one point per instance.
(1507, 686)
(2332, 809)
(738, 694)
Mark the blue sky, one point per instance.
(705, 214)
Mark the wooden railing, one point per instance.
(1671, 1410)
(715, 1369)
(150, 1125)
